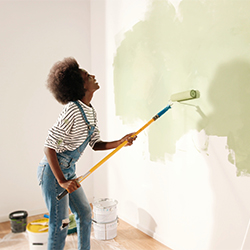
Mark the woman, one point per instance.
(75, 128)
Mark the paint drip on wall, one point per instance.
(176, 4)
(206, 49)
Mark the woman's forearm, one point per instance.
(69, 185)
(54, 164)
(100, 145)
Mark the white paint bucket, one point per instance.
(38, 234)
(105, 231)
(105, 210)
(105, 219)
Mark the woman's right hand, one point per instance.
(70, 185)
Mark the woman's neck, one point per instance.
(87, 98)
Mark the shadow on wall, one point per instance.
(166, 53)
(146, 222)
(229, 96)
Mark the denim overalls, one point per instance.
(77, 201)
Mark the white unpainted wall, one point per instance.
(34, 35)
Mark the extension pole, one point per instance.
(179, 97)
(83, 177)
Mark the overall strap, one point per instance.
(83, 114)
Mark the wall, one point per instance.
(34, 35)
(186, 179)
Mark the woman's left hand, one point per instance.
(130, 138)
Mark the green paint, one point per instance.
(59, 142)
(207, 49)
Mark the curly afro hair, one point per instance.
(65, 81)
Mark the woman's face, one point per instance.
(90, 83)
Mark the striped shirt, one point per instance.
(71, 130)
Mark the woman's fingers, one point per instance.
(71, 185)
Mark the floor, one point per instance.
(128, 238)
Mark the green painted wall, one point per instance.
(205, 47)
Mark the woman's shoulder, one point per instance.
(69, 109)
(70, 106)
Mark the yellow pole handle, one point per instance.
(81, 178)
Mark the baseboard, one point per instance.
(146, 231)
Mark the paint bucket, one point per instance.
(105, 219)
(105, 210)
(18, 221)
(105, 231)
(38, 234)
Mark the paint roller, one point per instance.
(178, 97)
(184, 96)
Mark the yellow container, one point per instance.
(38, 234)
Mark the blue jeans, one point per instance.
(58, 210)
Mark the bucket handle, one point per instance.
(117, 219)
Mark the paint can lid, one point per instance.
(38, 226)
(18, 215)
(105, 203)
